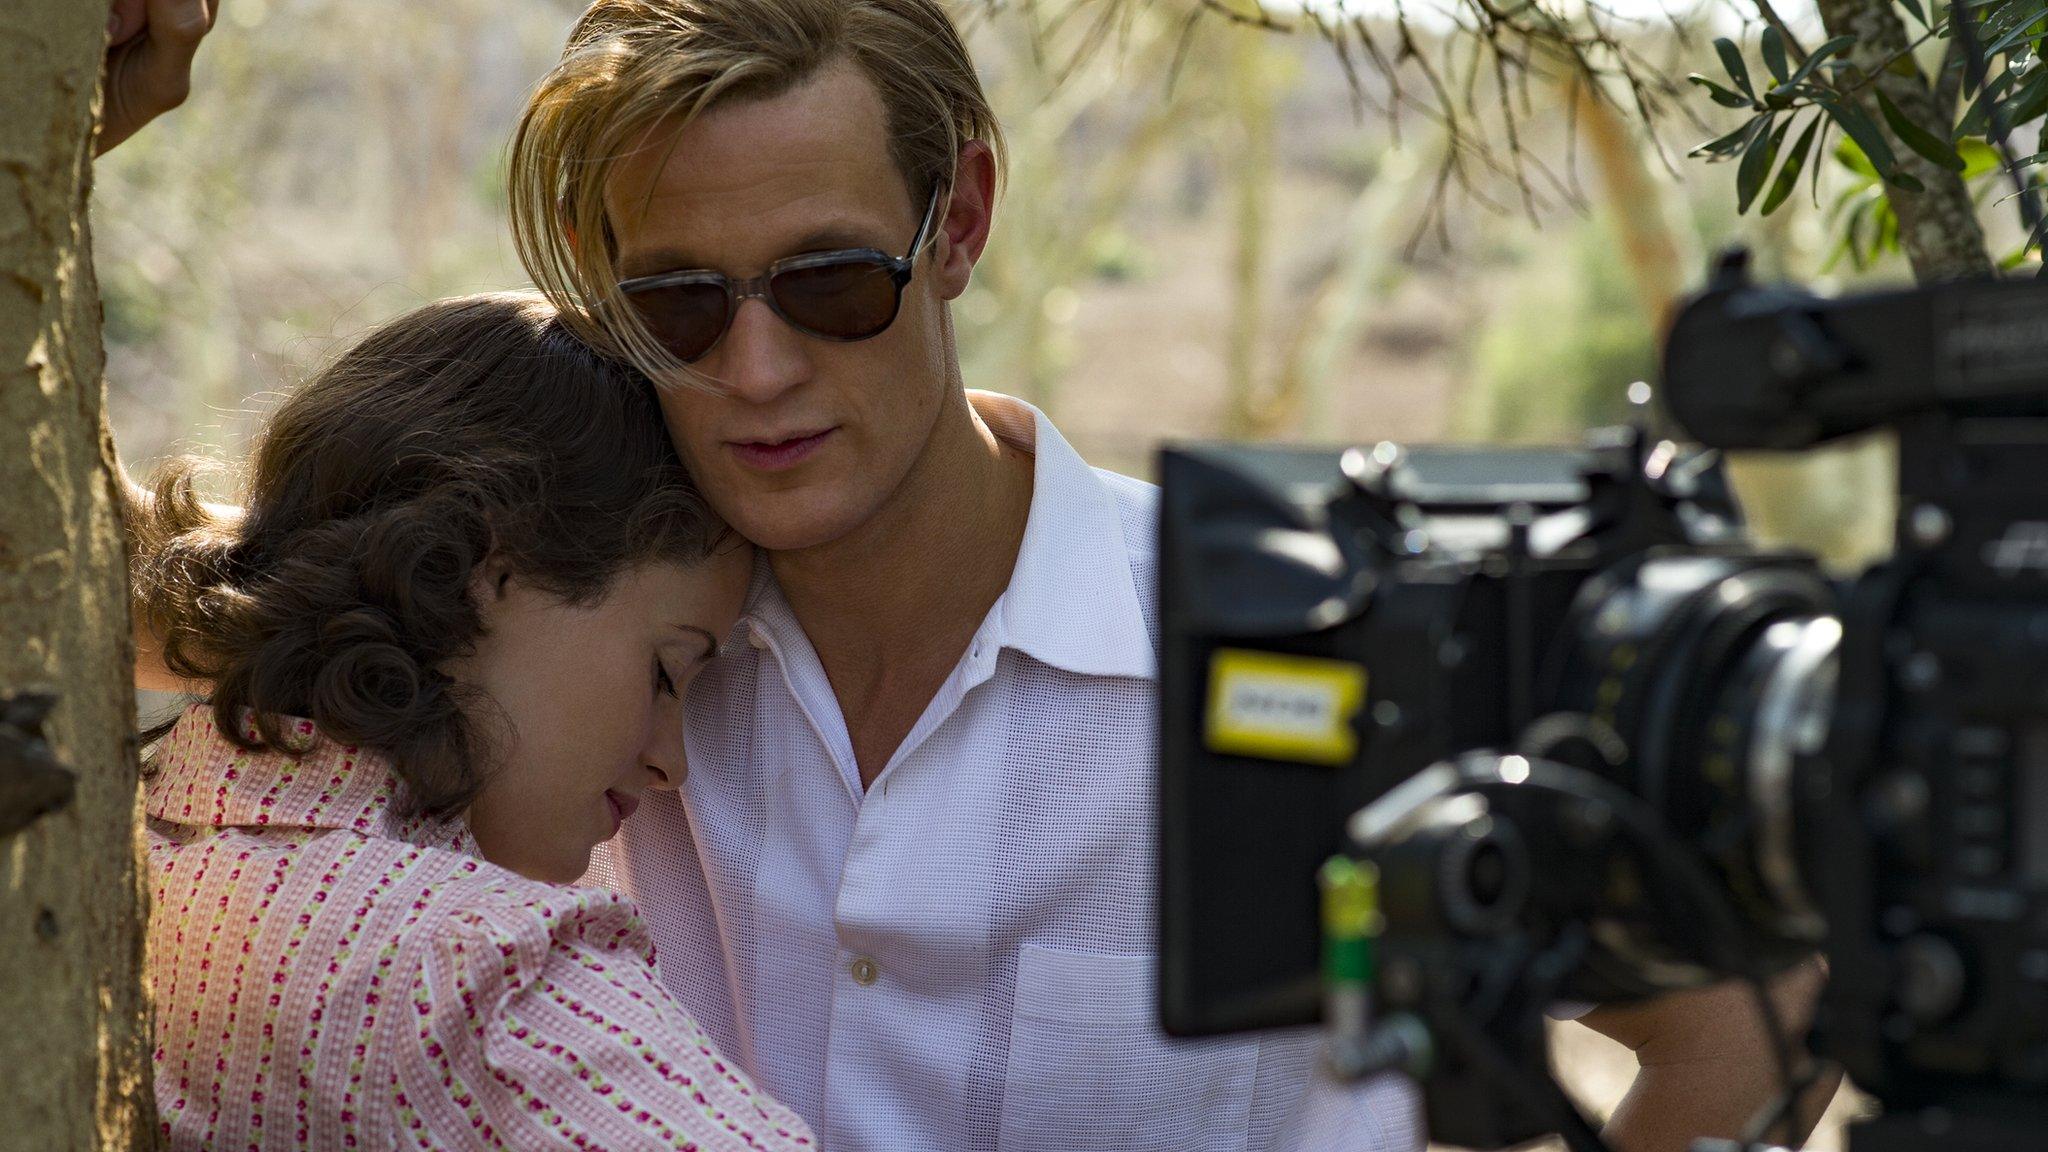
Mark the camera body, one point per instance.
(1599, 746)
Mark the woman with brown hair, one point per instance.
(445, 637)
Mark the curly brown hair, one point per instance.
(471, 427)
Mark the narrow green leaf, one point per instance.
(1788, 176)
(1849, 154)
(1918, 12)
(2025, 30)
(1852, 212)
(1725, 97)
(1774, 53)
(1722, 147)
(1731, 59)
(2039, 237)
(1857, 220)
(1972, 149)
(1756, 164)
(1834, 256)
(1980, 159)
(1866, 134)
(2030, 101)
(1998, 19)
(1819, 57)
(1976, 120)
(1927, 144)
(1820, 146)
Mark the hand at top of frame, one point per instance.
(148, 70)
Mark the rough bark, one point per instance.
(74, 1030)
(1938, 228)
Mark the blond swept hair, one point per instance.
(632, 64)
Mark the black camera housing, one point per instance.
(1480, 597)
(1460, 581)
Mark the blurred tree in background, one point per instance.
(1396, 222)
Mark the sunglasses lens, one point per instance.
(844, 300)
(687, 318)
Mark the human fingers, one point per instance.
(163, 67)
(125, 21)
(151, 73)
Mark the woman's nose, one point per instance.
(663, 754)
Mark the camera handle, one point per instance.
(1470, 965)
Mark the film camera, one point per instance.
(1548, 727)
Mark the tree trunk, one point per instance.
(74, 1029)
(1661, 258)
(1938, 228)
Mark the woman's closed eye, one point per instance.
(686, 655)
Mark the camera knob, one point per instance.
(1801, 352)
(1931, 978)
(1896, 813)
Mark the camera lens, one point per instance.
(1710, 677)
(1486, 875)
(1484, 872)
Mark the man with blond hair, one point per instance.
(910, 881)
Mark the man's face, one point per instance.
(807, 438)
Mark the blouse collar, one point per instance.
(200, 778)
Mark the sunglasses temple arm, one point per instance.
(924, 227)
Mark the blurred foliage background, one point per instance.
(1209, 231)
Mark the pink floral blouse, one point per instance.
(329, 976)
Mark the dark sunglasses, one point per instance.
(845, 295)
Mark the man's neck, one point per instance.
(890, 607)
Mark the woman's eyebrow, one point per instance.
(710, 641)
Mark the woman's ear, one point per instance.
(490, 583)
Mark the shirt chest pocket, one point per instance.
(1089, 1068)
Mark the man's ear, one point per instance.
(970, 213)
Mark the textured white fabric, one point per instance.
(961, 959)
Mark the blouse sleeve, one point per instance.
(546, 1025)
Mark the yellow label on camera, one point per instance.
(1280, 707)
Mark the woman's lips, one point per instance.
(781, 454)
(622, 807)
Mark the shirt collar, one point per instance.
(200, 778)
(1072, 600)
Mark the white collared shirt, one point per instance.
(960, 958)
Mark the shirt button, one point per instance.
(759, 641)
(863, 971)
